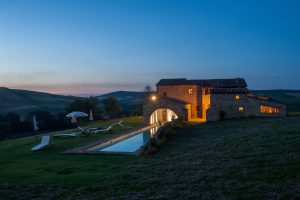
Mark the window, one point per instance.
(165, 94)
(207, 91)
(241, 109)
(268, 109)
(191, 91)
(237, 97)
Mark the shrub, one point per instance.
(222, 115)
(112, 107)
(4, 129)
(178, 123)
(150, 147)
(85, 105)
(162, 134)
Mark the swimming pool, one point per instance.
(130, 144)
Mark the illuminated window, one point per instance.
(237, 97)
(207, 91)
(241, 109)
(191, 91)
(268, 109)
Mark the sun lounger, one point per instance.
(120, 123)
(81, 129)
(83, 132)
(103, 130)
(66, 135)
(44, 143)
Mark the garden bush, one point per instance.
(162, 135)
(4, 129)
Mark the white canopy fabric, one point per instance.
(74, 120)
(77, 114)
(35, 126)
(91, 115)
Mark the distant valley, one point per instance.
(24, 101)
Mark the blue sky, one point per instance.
(93, 47)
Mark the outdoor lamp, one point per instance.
(153, 97)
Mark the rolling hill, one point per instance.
(123, 95)
(128, 100)
(24, 101)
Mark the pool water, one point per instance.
(131, 144)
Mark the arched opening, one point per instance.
(162, 115)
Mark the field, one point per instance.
(236, 159)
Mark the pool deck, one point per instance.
(91, 148)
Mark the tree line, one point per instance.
(14, 123)
(110, 107)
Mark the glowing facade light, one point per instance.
(153, 97)
(268, 109)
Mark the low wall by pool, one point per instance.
(127, 143)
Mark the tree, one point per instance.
(62, 121)
(16, 124)
(147, 92)
(148, 88)
(14, 120)
(112, 106)
(46, 120)
(138, 110)
(4, 129)
(85, 105)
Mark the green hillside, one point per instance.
(235, 159)
(23, 101)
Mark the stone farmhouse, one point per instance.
(207, 100)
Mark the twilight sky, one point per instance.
(94, 47)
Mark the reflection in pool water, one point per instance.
(131, 144)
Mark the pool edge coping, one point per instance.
(107, 142)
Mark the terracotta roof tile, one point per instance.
(218, 83)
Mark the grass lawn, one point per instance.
(255, 158)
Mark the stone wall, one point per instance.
(199, 107)
(227, 104)
(181, 92)
(177, 107)
(208, 106)
(205, 103)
